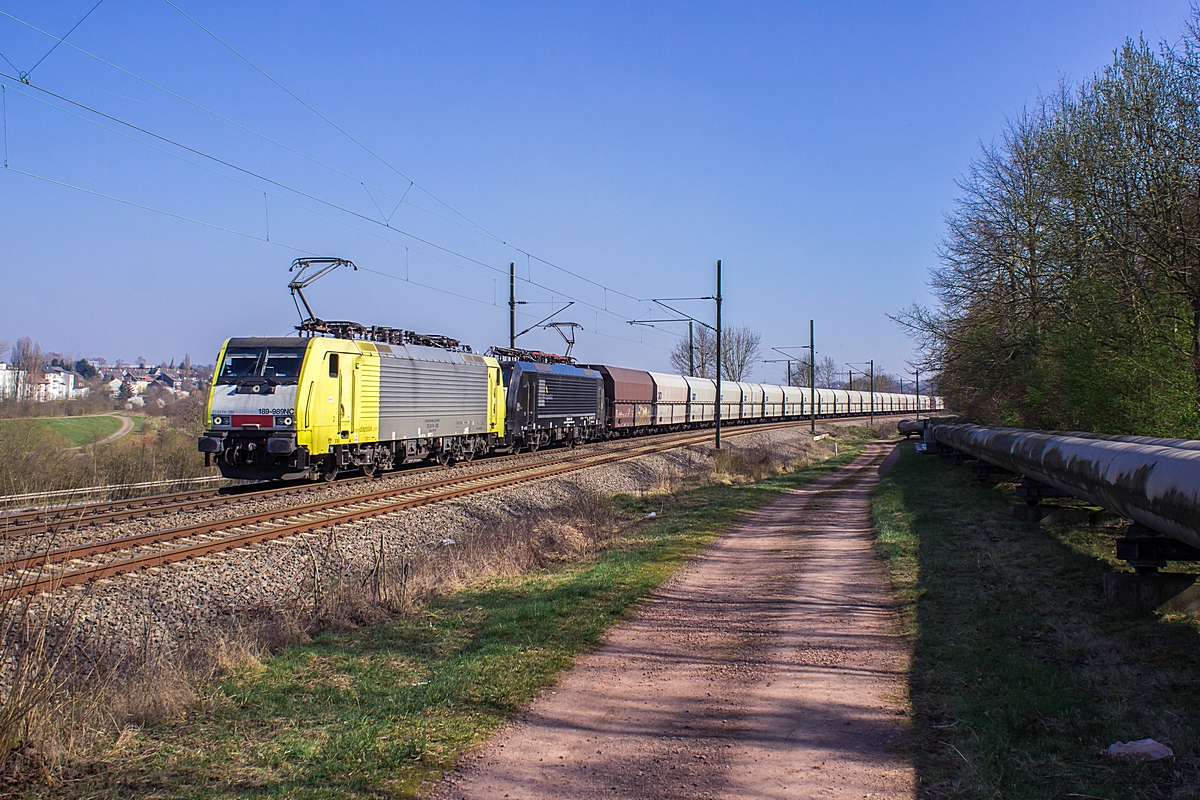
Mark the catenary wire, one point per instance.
(300, 192)
(29, 71)
(221, 228)
(327, 120)
(381, 159)
(275, 243)
(475, 226)
(171, 214)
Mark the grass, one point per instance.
(383, 711)
(1022, 671)
(78, 431)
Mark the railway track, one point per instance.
(17, 525)
(81, 563)
(21, 524)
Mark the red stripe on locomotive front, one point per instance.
(261, 420)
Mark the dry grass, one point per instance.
(88, 700)
(63, 698)
(749, 459)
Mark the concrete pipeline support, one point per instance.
(1153, 482)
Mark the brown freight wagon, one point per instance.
(628, 397)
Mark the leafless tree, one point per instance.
(884, 382)
(740, 348)
(704, 352)
(827, 373)
(27, 358)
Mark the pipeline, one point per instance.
(1154, 482)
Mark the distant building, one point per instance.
(11, 380)
(168, 379)
(56, 383)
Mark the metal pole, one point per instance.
(717, 414)
(872, 391)
(812, 376)
(691, 352)
(918, 394)
(512, 304)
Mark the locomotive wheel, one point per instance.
(368, 470)
(443, 458)
(534, 444)
(330, 473)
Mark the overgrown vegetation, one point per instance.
(1022, 671)
(372, 682)
(1069, 282)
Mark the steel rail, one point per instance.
(1155, 483)
(28, 523)
(85, 549)
(19, 524)
(423, 494)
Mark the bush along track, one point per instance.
(384, 710)
(1022, 672)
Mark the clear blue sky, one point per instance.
(812, 147)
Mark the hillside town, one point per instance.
(30, 376)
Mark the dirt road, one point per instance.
(771, 667)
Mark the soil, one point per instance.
(772, 667)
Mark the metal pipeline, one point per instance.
(1154, 482)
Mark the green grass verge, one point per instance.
(1022, 671)
(76, 431)
(381, 712)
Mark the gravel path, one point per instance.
(772, 667)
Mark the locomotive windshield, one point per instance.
(280, 364)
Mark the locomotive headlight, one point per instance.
(283, 422)
(216, 420)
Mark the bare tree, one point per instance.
(740, 348)
(827, 373)
(27, 358)
(861, 382)
(704, 353)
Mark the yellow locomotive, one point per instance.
(312, 407)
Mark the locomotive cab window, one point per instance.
(239, 364)
(333, 365)
(280, 364)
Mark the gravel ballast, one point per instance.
(165, 607)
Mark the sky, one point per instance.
(612, 151)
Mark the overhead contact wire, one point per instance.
(327, 120)
(475, 226)
(29, 72)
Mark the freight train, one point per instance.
(369, 399)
